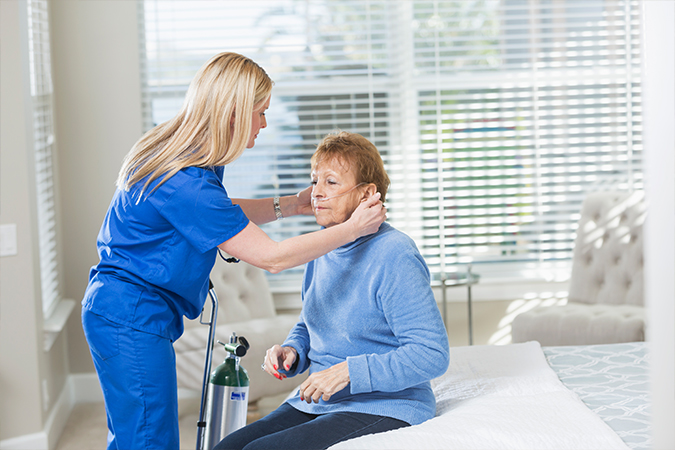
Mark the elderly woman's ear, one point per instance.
(370, 189)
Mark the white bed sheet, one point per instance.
(499, 397)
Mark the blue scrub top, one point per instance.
(156, 254)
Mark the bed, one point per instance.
(523, 396)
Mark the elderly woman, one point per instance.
(370, 332)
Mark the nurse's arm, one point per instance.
(261, 210)
(255, 247)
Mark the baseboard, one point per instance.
(35, 441)
(56, 422)
(54, 426)
(85, 388)
(79, 388)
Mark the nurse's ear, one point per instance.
(370, 190)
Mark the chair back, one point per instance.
(243, 292)
(607, 266)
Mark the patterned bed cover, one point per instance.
(613, 380)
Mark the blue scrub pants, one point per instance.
(286, 428)
(137, 372)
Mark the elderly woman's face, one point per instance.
(335, 194)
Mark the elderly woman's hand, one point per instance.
(368, 216)
(324, 384)
(279, 357)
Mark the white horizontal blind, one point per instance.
(528, 105)
(329, 61)
(493, 117)
(43, 140)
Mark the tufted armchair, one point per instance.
(605, 303)
(246, 308)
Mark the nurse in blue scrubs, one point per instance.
(159, 239)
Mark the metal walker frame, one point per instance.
(201, 425)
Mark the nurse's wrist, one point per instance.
(276, 204)
(285, 208)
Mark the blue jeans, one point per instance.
(137, 372)
(286, 428)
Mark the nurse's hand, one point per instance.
(368, 216)
(277, 358)
(324, 384)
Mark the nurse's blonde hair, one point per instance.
(212, 127)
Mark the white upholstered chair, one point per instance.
(605, 303)
(246, 307)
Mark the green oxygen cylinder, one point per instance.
(227, 403)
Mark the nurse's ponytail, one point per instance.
(212, 127)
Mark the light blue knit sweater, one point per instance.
(370, 303)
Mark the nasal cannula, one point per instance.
(323, 199)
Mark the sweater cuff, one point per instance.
(359, 374)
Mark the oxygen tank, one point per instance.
(227, 403)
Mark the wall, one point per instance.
(20, 347)
(98, 111)
(97, 108)
(659, 119)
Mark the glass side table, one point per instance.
(454, 279)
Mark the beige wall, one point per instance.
(98, 110)
(21, 357)
(659, 165)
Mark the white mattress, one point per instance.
(613, 380)
(499, 397)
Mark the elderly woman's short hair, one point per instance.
(359, 153)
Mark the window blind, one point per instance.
(494, 118)
(330, 62)
(41, 91)
(529, 105)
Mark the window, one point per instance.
(529, 106)
(41, 94)
(494, 118)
